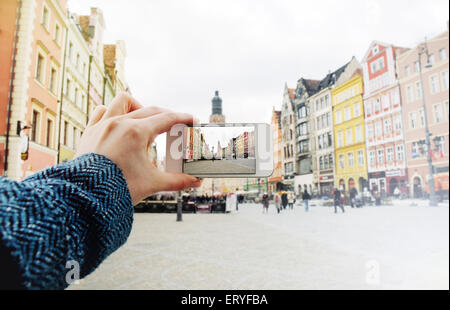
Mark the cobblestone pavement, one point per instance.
(389, 247)
(221, 166)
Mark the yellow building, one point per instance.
(349, 132)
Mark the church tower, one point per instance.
(216, 116)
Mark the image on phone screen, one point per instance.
(219, 150)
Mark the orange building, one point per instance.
(36, 81)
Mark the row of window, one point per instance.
(351, 159)
(326, 162)
(349, 137)
(347, 94)
(378, 158)
(437, 82)
(323, 121)
(348, 112)
(386, 101)
(322, 103)
(325, 140)
(440, 114)
(382, 127)
(45, 22)
(431, 60)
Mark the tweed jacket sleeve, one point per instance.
(78, 212)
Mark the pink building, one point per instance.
(383, 119)
(435, 91)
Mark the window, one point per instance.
(372, 158)
(330, 160)
(412, 120)
(349, 136)
(431, 59)
(368, 108)
(375, 50)
(385, 101)
(377, 105)
(325, 162)
(358, 133)
(49, 137)
(422, 117)
(75, 97)
(356, 109)
(45, 17)
(434, 84)
(74, 138)
(321, 163)
(407, 70)
(338, 117)
(340, 141)
(341, 161)
(57, 33)
(40, 69)
(440, 146)
(319, 122)
(70, 50)
(66, 132)
(53, 81)
(395, 98)
(387, 126)
(446, 109)
(378, 129)
(350, 160)
(347, 114)
(419, 91)
(390, 155)
(369, 131)
(416, 66)
(438, 113)
(319, 142)
(360, 158)
(35, 126)
(410, 93)
(380, 156)
(68, 84)
(444, 76)
(398, 122)
(400, 152)
(442, 54)
(77, 65)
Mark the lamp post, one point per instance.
(423, 49)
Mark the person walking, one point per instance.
(284, 200)
(291, 200)
(265, 201)
(306, 197)
(338, 200)
(353, 193)
(277, 199)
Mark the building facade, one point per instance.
(288, 121)
(74, 114)
(349, 132)
(304, 144)
(435, 92)
(322, 134)
(36, 80)
(277, 176)
(383, 119)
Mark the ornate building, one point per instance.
(216, 116)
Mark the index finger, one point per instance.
(163, 122)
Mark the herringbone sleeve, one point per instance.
(77, 211)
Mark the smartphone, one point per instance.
(220, 150)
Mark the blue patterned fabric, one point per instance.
(77, 211)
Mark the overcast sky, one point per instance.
(180, 52)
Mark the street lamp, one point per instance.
(423, 49)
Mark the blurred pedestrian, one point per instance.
(284, 200)
(338, 200)
(306, 197)
(277, 199)
(291, 200)
(265, 201)
(353, 193)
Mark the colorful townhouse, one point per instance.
(322, 134)
(36, 30)
(74, 98)
(304, 141)
(383, 119)
(435, 92)
(288, 121)
(277, 175)
(349, 132)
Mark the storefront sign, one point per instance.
(395, 173)
(376, 175)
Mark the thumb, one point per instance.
(176, 181)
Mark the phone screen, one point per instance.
(219, 150)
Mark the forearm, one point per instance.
(78, 211)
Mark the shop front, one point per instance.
(326, 185)
(396, 179)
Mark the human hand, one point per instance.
(124, 132)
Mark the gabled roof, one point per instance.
(310, 85)
(331, 78)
